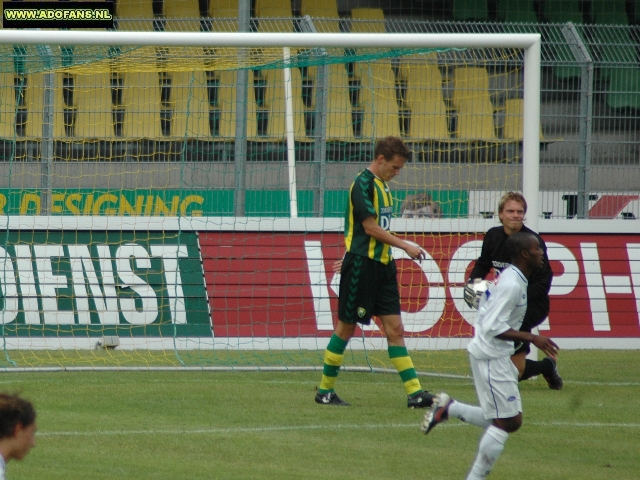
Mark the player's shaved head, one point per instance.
(518, 243)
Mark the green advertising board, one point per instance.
(102, 283)
(197, 203)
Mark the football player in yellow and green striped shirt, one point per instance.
(368, 281)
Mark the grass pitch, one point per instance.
(235, 425)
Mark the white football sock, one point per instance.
(489, 450)
(469, 413)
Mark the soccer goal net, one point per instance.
(177, 199)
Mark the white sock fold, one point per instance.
(489, 450)
(469, 413)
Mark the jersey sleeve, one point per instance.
(361, 199)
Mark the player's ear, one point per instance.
(17, 429)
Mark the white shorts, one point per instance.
(496, 383)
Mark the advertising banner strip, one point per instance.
(111, 283)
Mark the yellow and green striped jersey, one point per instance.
(368, 196)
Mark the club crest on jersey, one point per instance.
(361, 312)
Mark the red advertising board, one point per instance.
(264, 284)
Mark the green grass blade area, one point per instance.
(265, 425)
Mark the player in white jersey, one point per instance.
(495, 376)
(17, 429)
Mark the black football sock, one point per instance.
(533, 368)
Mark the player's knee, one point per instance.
(509, 425)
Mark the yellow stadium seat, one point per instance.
(94, 112)
(367, 20)
(182, 16)
(339, 119)
(425, 101)
(226, 107)
(224, 15)
(378, 100)
(8, 106)
(190, 101)
(275, 103)
(34, 101)
(141, 95)
(324, 15)
(136, 15)
(473, 104)
(276, 15)
(513, 128)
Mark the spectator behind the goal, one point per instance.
(420, 205)
(17, 429)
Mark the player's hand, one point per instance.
(415, 252)
(548, 346)
(470, 293)
(337, 266)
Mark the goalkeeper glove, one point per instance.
(470, 293)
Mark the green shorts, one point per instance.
(367, 288)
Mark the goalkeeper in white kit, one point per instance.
(497, 335)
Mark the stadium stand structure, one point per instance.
(324, 15)
(561, 12)
(617, 52)
(470, 10)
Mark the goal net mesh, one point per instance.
(100, 145)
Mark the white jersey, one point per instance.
(502, 308)
(2, 468)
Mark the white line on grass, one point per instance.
(241, 430)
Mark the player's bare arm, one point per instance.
(545, 344)
(374, 230)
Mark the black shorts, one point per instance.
(367, 288)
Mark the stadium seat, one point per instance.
(473, 104)
(142, 105)
(223, 15)
(134, 15)
(190, 102)
(8, 106)
(470, 11)
(182, 16)
(519, 11)
(425, 100)
(226, 107)
(623, 88)
(562, 11)
(611, 45)
(339, 119)
(367, 20)
(274, 16)
(93, 106)
(34, 101)
(275, 105)
(324, 15)
(513, 127)
(378, 100)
